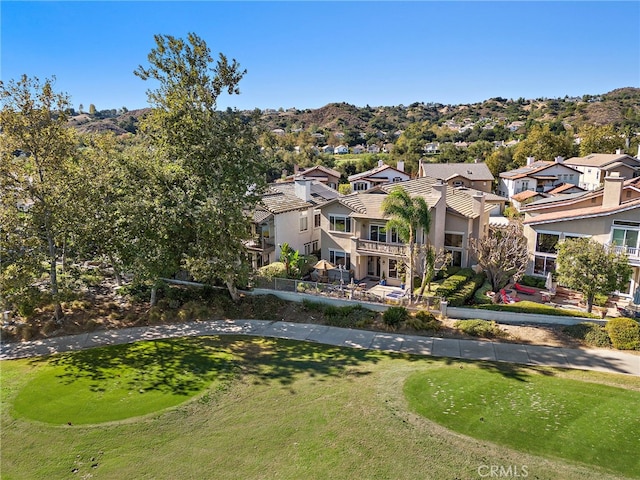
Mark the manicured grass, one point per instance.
(124, 381)
(544, 415)
(268, 409)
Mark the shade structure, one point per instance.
(636, 296)
(323, 265)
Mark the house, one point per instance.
(380, 175)
(288, 212)
(322, 174)
(539, 176)
(328, 149)
(432, 148)
(521, 199)
(354, 232)
(341, 150)
(595, 167)
(609, 215)
(358, 149)
(373, 148)
(469, 175)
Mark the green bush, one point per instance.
(349, 316)
(394, 316)
(624, 333)
(480, 297)
(527, 306)
(466, 291)
(479, 328)
(590, 333)
(423, 320)
(273, 270)
(531, 281)
(454, 283)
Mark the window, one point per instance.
(304, 222)
(310, 247)
(378, 233)
(339, 223)
(458, 183)
(547, 242)
(624, 237)
(359, 186)
(393, 268)
(338, 257)
(316, 219)
(453, 244)
(542, 265)
(397, 179)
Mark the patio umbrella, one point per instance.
(636, 296)
(323, 265)
(548, 284)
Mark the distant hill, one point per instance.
(618, 107)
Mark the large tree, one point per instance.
(408, 215)
(543, 144)
(591, 268)
(36, 153)
(213, 156)
(599, 139)
(502, 253)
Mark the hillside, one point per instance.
(620, 107)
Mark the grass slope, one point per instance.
(289, 410)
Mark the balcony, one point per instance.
(631, 252)
(259, 244)
(380, 248)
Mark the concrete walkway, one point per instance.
(612, 361)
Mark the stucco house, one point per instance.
(327, 176)
(610, 215)
(380, 175)
(288, 212)
(539, 176)
(469, 175)
(354, 232)
(595, 167)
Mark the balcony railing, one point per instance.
(632, 253)
(370, 246)
(260, 244)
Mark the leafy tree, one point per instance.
(542, 144)
(408, 214)
(591, 268)
(499, 161)
(36, 154)
(291, 259)
(212, 158)
(599, 139)
(344, 189)
(432, 261)
(92, 109)
(502, 253)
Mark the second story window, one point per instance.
(316, 219)
(339, 223)
(304, 222)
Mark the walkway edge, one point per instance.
(611, 361)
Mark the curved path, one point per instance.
(612, 361)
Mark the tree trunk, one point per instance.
(116, 271)
(410, 271)
(154, 296)
(53, 278)
(590, 303)
(233, 290)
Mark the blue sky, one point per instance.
(308, 54)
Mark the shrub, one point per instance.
(423, 320)
(394, 316)
(479, 328)
(466, 290)
(348, 316)
(454, 282)
(590, 333)
(531, 281)
(624, 333)
(480, 297)
(527, 306)
(273, 270)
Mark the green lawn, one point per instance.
(259, 408)
(543, 415)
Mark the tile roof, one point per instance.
(531, 170)
(527, 194)
(472, 171)
(373, 172)
(596, 211)
(320, 193)
(601, 160)
(564, 187)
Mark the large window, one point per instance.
(453, 244)
(316, 219)
(547, 242)
(338, 257)
(360, 186)
(393, 268)
(339, 223)
(625, 234)
(542, 265)
(304, 222)
(379, 233)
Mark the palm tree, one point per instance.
(408, 214)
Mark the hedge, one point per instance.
(466, 291)
(454, 283)
(624, 333)
(536, 308)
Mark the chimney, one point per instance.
(380, 163)
(421, 170)
(400, 165)
(302, 188)
(612, 195)
(296, 168)
(559, 159)
(530, 160)
(618, 151)
(478, 203)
